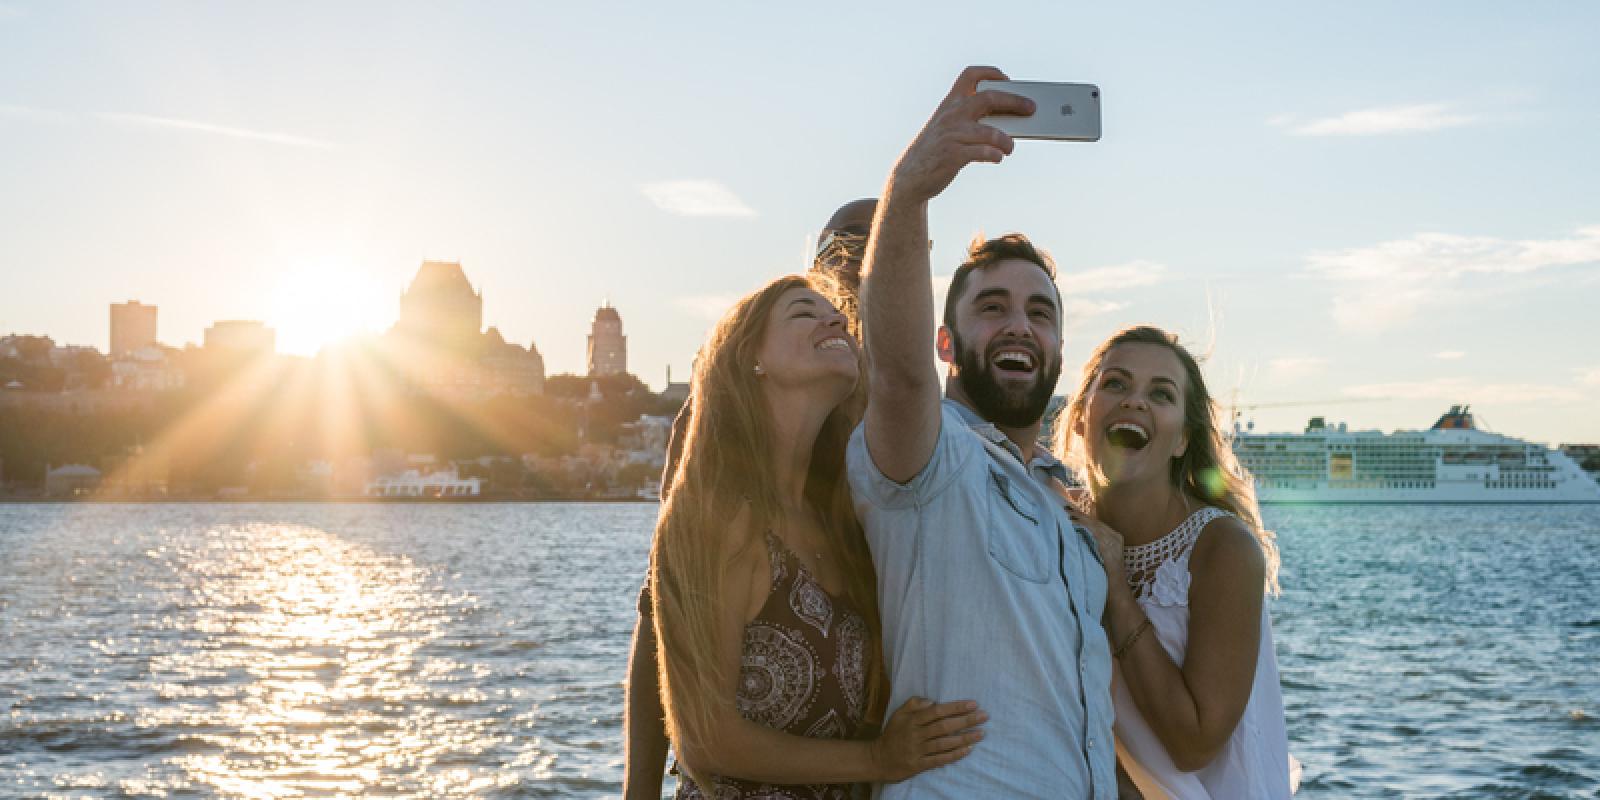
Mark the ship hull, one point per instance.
(1464, 496)
(1453, 462)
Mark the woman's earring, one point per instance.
(761, 371)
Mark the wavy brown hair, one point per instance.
(1207, 470)
(727, 467)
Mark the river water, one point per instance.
(255, 651)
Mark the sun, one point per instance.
(314, 306)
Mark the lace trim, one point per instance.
(1142, 562)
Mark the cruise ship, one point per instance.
(1452, 462)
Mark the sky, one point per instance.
(1365, 211)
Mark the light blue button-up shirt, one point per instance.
(989, 592)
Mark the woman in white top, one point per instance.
(1199, 709)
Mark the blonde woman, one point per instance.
(1199, 710)
(764, 598)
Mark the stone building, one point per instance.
(441, 342)
(133, 327)
(608, 348)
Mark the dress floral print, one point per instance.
(803, 672)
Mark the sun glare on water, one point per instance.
(314, 306)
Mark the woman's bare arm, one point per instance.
(919, 736)
(645, 745)
(643, 722)
(1193, 709)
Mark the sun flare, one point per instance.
(315, 306)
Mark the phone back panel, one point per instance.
(1062, 111)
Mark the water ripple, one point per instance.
(449, 651)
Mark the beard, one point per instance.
(1003, 405)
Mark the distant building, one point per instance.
(151, 368)
(508, 367)
(608, 348)
(243, 337)
(440, 339)
(70, 480)
(82, 366)
(133, 325)
(676, 393)
(27, 349)
(68, 354)
(415, 483)
(441, 308)
(644, 441)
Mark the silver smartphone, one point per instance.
(1066, 112)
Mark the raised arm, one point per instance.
(896, 286)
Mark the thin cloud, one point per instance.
(219, 130)
(1588, 376)
(1449, 355)
(707, 306)
(1379, 121)
(1296, 366)
(1113, 278)
(1076, 310)
(1388, 283)
(11, 11)
(1462, 390)
(696, 198)
(28, 112)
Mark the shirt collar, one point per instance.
(1043, 459)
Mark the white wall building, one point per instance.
(415, 483)
(146, 369)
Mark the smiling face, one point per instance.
(805, 345)
(1006, 342)
(1133, 425)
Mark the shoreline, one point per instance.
(316, 500)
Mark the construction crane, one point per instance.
(1235, 409)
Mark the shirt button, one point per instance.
(1091, 744)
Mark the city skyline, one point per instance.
(135, 325)
(1368, 213)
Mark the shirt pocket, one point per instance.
(1016, 531)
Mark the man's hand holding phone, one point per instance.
(954, 137)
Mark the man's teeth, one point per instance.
(836, 343)
(1014, 360)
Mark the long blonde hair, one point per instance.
(727, 466)
(1207, 470)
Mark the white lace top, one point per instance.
(1167, 559)
(1255, 762)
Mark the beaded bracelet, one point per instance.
(1137, 632)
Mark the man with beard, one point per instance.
(986, 588)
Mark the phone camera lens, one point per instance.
(1094, 94)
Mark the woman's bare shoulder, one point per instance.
(1227, 547)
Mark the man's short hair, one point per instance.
(983, 253)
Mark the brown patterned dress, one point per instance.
(804, 672)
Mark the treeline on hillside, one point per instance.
(281, 416)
